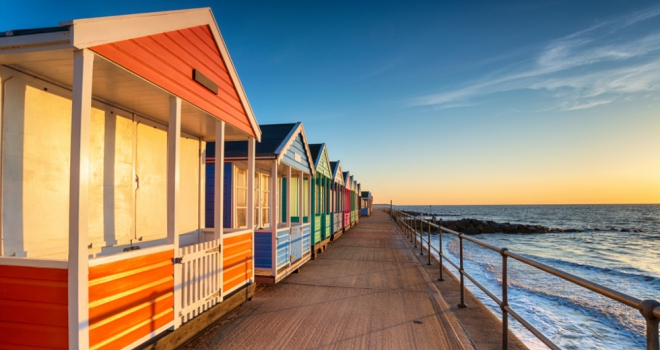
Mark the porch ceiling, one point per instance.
(118, 87)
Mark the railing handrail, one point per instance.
(650, 309)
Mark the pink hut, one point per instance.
(103, 243)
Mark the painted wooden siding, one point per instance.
(237, 263)
(168, 60)
(324, 165)
(283, 247)
(318, 226)
(297, 147)
(327, 223)
(338, 222)
(263, 253)
(33, 308)
(129, 299)
(210, 195)
(306, 238)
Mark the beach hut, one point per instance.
(103, 124)
(347, 200)
(354, 200)
(367, 203)
(283, 176)
(321, 199)
(337, 198)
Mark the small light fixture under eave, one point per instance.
(205, 81)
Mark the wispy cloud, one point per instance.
(593, 62)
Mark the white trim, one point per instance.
(229, 233)
(129, 255)
(35, 42)
(78, 285)
(173, 188)
(251, 185)
(273, 219)
(34, 262)
(150, 335)
(218, 181)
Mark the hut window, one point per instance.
(265, 200)
(306, 197)
(261, 200)
(294, 197)
(241, 197)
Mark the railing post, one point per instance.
(421, 237)
(646, 309)
(415, 231)
(429, 243)
(461, 272)
(505, 299)
(440, 253)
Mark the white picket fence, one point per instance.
(201, 278)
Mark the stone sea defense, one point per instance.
(473, 226)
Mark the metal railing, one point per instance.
(650, 309)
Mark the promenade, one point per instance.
(369, 290)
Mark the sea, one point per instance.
(605, 250)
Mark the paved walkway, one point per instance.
(367, 291)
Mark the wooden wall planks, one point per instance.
(168, 60)
(237, 262)
(129, 299)
(33, 304)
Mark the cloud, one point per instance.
(588, 105)
(596, 61)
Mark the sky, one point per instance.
(435, 102)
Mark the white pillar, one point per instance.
(173, 179)
(218, 197)
(78, 285)
(219, 180)
(250, 202)
(300, 198)
(273, 217)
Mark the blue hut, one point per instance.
(282, 211)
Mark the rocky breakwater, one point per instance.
(474, 226)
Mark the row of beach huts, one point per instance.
(138, 189)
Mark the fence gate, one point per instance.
(201, 278)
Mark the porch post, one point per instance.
(250, 203)
(273, 217)
(288, 195)
(300, 197)
(219, 180)
(250, 183)
(173, 178)
(78, 283)
(218, 198)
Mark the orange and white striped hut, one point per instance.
(103, 125)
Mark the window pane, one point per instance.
(241, 217)
(241, 197)
(265, 183)
(265, 217)
(264, 199)
(241, 178)
(256, 217)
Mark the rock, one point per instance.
(471, 230)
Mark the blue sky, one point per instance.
(448, 103)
